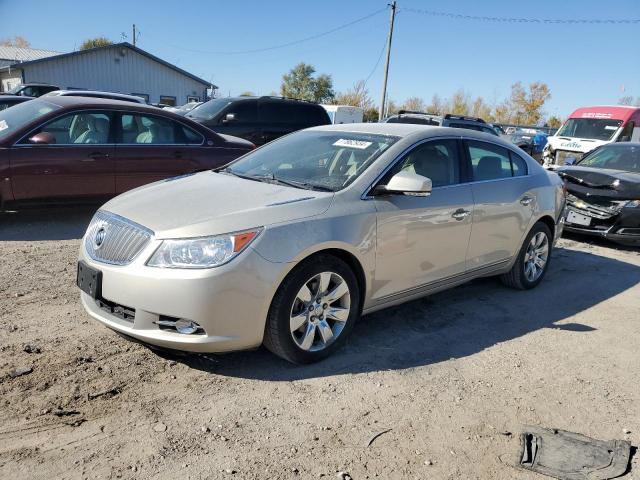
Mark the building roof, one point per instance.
(115, 45)
(20, 54)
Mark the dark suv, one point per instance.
(448, 120)
(259, 119)
(32, 89)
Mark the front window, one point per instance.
(19, 115)
(210, 109)
(313, 160)
(615, 157)
(79, 128)
(590, 128)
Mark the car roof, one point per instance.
(407, 129)
(70, 101)
(15, 97)
(92, 92)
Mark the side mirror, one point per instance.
(229, 118)
(42, 138)
(570, 160)
(409, 183)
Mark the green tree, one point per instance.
(300, 83)
(95, 42)
(370, 115)
(248, 93)
(16, 41)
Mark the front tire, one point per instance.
(532, 262)
(313, 311)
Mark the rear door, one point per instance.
(421, 240)
(503, 204)
(78, 164)
(276, 118)
(151, 147)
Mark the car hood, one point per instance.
(581, 145)
(211, 203)
(601, 182)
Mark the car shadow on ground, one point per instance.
(60, 223)
(452, 324)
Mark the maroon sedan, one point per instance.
(56, 149)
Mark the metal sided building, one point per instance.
(119, 67)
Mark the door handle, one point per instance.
(460, 214)
(95, 155)
(526, 200)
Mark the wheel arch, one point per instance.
(549, 222)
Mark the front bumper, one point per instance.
(230, 302)
(623, 228)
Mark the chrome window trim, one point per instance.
(365, 195)
(18, 144)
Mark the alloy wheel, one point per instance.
(320, 311)
(536, 256)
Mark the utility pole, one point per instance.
(386, 66)
(134, 34)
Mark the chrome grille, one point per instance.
(602, 212)
(115, 240)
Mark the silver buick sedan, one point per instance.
(289, 245)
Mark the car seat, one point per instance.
(489, 168)
(97, 131)
(433, 164)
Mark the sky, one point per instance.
(583, 64)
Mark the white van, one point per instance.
(344, 114)
(590, 127)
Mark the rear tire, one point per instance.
(533, 259)
(313, 311)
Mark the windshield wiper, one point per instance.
(271, 178)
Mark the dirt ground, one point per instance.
(451, 379)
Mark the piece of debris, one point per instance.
(205, 429)
(111, 393)
(428, 462)
(20, 371)
(626, 431)
(571, 456)
(230, 471)
(159, 427)
(344, 476)
(30, 348)
(375, 436)
(59, 412)
(506, 433)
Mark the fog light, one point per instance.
(186, 326)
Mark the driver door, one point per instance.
(423, 239)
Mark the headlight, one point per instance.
(632, 204)
(203, 252)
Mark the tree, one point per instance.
(554, 122)
(370, 115)
(481, 109)
(527, 106)
(629, 100)
(392, 107)
(95, 42)
(356, 96)
(248, 93)
(414, 104)
(460, 103)
(16, 41)
(438, 105)
(300, 83)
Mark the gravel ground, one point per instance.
(450, 379)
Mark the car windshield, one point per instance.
(321, 160)
(615, 157)
(590, 128)
(15, 117)
(209, 109)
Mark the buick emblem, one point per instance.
(98, 240)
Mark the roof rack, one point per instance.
(464, 117)
(415, 112)
(287, 98)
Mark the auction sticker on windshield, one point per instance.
(359, 144)
(3, 125)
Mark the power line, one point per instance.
(284, 45)
(384, 45)
(480, 18)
